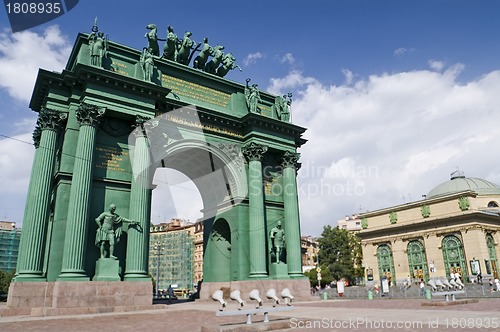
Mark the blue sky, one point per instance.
(395, 94)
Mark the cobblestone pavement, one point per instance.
(317, 316)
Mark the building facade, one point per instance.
(9, 245)
(455, 229)
(171, 254)
(310, 249)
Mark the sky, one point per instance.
(395, 95)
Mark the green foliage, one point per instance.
(340, 254)
(5, 279)
(326, 277)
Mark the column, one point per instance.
(291, 207)
(140, 204)
(75, 238)
(36, 214)
(256, 222)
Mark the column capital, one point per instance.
(144, 126)
(37, 135)
(89, 115)
(289, 159)
(254, 151)
(48, 119)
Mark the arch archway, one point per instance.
(385, 262)
(453, 255)
(218, 252)
(492, 264)
(417, 260)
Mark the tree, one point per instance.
(340, 253)
(326, 277)
(5, 279)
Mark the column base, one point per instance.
(73, 276)
(29, 277)
(258, 275)
(136, 277)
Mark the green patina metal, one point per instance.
(115, 115)
(453, 255)
(385, 262)
(417, 261)
(393, 217)
(426, 211)
(463, 203)
(492, 263)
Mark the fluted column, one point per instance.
(291, 207)
(36, 214)
(77, 220)
(256, 223)
(140, 204)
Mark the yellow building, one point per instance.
(198, 251)
(310, 248)
(454, 229)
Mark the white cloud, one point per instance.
(23, 53)
(402, 51)
(436, 65)
(380, 140)
(252, 58)
(349, 76)
(293, 80)
(16, 158)
(288, 58)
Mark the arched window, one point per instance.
(453, 255)
(385, 262)
(491, 264)
(417, 260)
(492, 204)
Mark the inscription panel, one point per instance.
(195, 91)
(111, 159)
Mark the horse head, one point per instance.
(151, 26)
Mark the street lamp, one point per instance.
(157, 246)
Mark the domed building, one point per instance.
(454, 229)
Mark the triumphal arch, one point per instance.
(106, 123)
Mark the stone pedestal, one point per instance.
(107, 269)
(278, 270)
(67, 296)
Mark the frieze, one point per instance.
(195, 91)
(233, 151)
(207, 127)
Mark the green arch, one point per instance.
(492, 265)
(417, 260)
(385, 262)
(453, 255)
(218, 252)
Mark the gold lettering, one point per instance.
(196, 91)
(110, 159)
